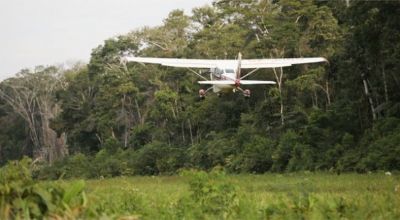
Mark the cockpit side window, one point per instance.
(229, 71)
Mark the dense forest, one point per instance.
(111, 118)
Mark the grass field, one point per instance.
(199, 195)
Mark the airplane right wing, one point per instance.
(176, 62)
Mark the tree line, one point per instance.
(113, 118)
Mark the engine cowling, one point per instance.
(237, 82)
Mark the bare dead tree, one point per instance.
(279, 80)
(278, 77)
(31, 95)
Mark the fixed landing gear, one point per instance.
(246, 92)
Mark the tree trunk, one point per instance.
(278, 78)
(328, 95)
(138, 112)
(347, 3)
(385, 84)
(183, 132)
(316, 98)
(190, 130)
(371, 102)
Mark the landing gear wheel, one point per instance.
(202, 94)
(247, 93)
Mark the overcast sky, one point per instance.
(47, 32)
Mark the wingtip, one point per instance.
(123, 60)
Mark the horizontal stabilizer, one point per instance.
(242, 82)
(218, 82)
(256, 82)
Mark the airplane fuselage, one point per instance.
(223, 74)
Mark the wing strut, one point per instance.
(248, 74)
(197, 74)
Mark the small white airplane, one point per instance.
(225, 75)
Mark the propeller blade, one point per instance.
(239, 67)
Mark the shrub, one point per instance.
(22, 198)
(211, 195)
(108, 165)
(256, 156)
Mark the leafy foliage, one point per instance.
(23, 198)
(212, 196)
(123, 119)
(200, 195)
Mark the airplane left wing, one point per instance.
(282, 62)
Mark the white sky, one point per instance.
(47, 32)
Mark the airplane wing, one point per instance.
(282, 62)
(193, 63)
(207, 63)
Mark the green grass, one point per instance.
(269, 196)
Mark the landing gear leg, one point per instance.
(246, 92)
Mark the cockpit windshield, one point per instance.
(218, 71)
(229, 71)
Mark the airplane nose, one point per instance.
(237, 82)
